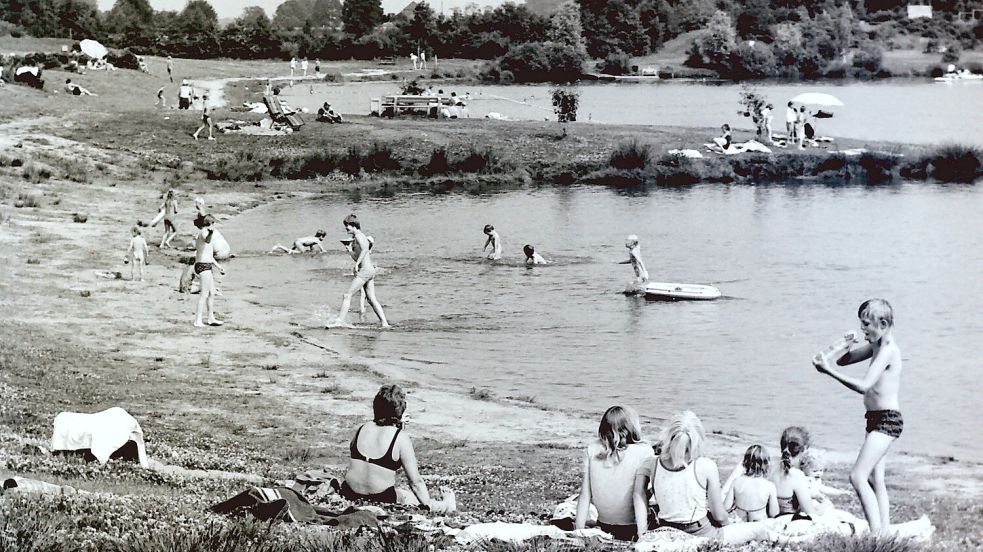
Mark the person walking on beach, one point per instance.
(170, 69)
(137, 253)
(365, 273)
(767, 116)
(800, 127)
(169, 207)
(494, 241)
(880, 387)
(303, 66)
(204, 264)
(206, 119)
(317, 68)
(160, 98)
(293, 67)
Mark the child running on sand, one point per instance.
(204, 263)
(206, 119)
(635, 259)
(308, 242)
(751, 496)
(365, 273)
(137, 253)
(533, 258)
(494, 241)
(880, 387)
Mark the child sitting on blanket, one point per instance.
(813, 465)
(751, 496)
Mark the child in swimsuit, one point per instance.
(204, 263)
(813, 466)
(880, 386)
(170, 213)
(635, 260)
(365, 273)
(137, 253)
(378, 450)
(300, 244)
(752, 497)
(533, 258)
(206, 119)
(494, 242)
(791, 484)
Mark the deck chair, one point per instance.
(279, 114)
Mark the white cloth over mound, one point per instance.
(667, 539)
(103, 433)
(518, 532)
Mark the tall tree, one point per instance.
(292, 14)
(78, 19)
(37, 17)
(198, 24)
(421, 29)
(130, 23)
(565, 28)
(251, 36)
(361, 16)
(326, 13)
(612, 25)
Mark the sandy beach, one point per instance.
(262, 395)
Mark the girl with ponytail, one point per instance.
(793, 485)
(609, 468)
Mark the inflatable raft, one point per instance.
(665, 291)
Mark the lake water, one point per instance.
(793, 261)
(896, 110)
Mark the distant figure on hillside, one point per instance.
(635, 260)
(326, 114)
(137, 253)
(184, 95)
(800, 127)
(143, 65)
(170, 69)
(310, 243)
(494, 241)
(76, 90)
(317, 68)
(206, 119)
(293, 67)
(533, 258)
(414, 59)
(423, 60)
(303, 66)
(161, 102)
(767, 116)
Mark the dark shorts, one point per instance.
(700, 528)
(387, 496)
(206, 120)
(202, 267)
(183, 103)
(619, 532)
(169, 226)
(888, 422)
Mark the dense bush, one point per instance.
(631, 155)
(537, 62)
(616, 63)
(956, 163)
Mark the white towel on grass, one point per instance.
(103, 433)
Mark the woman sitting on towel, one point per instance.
(609, 468)
(725, 139)
(794, 493)
(378, 449)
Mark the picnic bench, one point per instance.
(392, 106)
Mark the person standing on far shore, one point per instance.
(293, 68)
(791, 116)
(170, 69)
(800, 127)
(766, 118)
(303, 66)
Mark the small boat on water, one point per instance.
(666, 291)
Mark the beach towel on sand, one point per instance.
(518, 532)
(103, 433)
(285, 504)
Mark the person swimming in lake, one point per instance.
(308, 243)
(533, 258)
(380, 448)
(635, 260)
(494, 241)
(365, 273)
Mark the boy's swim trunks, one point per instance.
(202, 267)
(888, 422)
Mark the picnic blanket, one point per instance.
(518, 532)
(103, 433)
(285, 504)
(738, 147)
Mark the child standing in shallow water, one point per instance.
(137, 253)
(751, 496)
(494, 241)
(880, 387)
(635, 259)
(365, 273)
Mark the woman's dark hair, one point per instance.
(795, 441)
(488, 228)
(320, 234)
(756, 462)
(389, 405)
(352, 220)
(528, 250)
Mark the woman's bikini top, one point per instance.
(385, 461)
(747, 513)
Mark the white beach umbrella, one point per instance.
(93, 49)
(817, 99)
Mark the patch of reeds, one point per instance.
(27, 200)
(956, 163)
(482, 394)
(80, 218)
(35, 172)
(631, 155)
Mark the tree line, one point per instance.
(737, 38)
